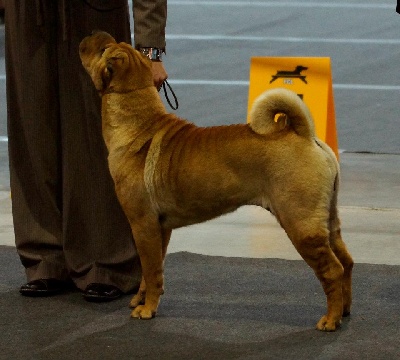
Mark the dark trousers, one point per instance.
(67, 220)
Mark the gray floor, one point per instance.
(213, 308)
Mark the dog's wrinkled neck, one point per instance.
(130, 109)
(112, 90)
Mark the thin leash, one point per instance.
(164, 85)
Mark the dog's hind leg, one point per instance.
(339, 248)
(147, 234)
(312, 243)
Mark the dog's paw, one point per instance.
(327, 325)
(143, 312)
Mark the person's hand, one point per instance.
(159, 73)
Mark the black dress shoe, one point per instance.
(43, 287)
(101, 292)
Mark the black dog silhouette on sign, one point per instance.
(296, 73)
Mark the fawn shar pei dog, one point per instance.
(169, 173)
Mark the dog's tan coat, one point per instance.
(170, 173)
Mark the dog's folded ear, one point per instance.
(100, 76)
(111, 60)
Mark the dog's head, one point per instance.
(114, 67)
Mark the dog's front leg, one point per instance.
(139, 298)
(148, 238)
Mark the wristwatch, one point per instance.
(154, 54)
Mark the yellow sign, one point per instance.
(310, 78)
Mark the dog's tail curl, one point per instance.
(277, 109)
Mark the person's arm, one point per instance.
(150, 19)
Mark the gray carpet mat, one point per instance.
(213, 308)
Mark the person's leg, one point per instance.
(98, 243)
(33, 132)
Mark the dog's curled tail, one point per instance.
(277, 109)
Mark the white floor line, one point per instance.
(291, 4)
(246, 83)
(292, 39)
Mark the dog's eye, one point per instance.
(110, 68)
